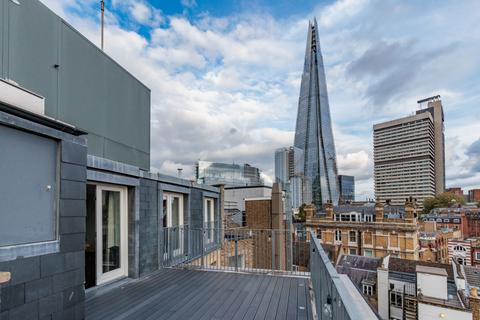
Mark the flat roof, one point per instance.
(431, 270)
(247, 187)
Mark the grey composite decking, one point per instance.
(191, 294)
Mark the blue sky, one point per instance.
(225, 75)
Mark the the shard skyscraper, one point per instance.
(313, 132)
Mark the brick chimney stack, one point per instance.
(329, 210)
(378, 211)
(409, 210)
(309, 211)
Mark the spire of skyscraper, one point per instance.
(313, 132)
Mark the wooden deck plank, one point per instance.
(302, 300)
(265, 302)
(273, 306)
(282, 307)
(292, 307)
(194, 299)
(192, 294)
(243, 308)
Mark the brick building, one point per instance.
(461, 251)
(267, 215)
(474, 195)
(456, 191)
(465, 219)
(434, 242)
(369, 231)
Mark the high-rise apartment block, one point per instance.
(409, 158)
(288, 163)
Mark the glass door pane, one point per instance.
(176, 223)
(111, 246)
(112, 232)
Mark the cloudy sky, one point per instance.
(225, 75)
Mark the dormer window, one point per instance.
(368, 289)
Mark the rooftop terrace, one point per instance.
(193, 294)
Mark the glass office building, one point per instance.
(230, 175)
(313, 132)
(346, 186)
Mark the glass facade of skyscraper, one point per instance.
(313, 129)
(346, 185)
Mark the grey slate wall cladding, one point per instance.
(149, 214)
(52, 286)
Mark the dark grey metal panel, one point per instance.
(33, 50)
(97, 95)
(81, 84)
(28, 166)
(3, 29)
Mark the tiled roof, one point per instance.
(359, 268)
(473, 275)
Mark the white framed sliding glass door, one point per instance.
(209, 219)
(173, 221)
(111, 228)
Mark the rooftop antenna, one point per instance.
(102, 8)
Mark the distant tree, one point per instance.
(301, 213)
(443, 200)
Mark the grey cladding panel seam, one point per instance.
(32, 45)
(28, 168)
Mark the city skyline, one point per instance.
(239, 101)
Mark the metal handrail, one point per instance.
(237, 250)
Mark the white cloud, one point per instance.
(226, 88)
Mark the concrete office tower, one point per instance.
(409, 155)
(433, 105)
(313, 132)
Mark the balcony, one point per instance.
(232, 274)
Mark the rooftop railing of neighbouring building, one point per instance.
(237, 250)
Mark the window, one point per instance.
(338, 235)
(456, 220)
(352, 251)
(368, 290)
(396, 299)
(209, 219)
(459, 248)
(477, 255)
(319, 234)
(368, 253)
(352, 236)
(368, 218)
